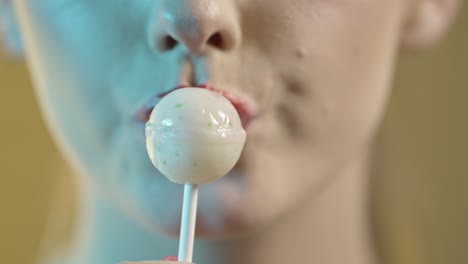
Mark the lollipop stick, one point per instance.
(187, 226)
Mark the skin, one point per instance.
(319, 72)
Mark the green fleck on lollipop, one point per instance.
(179, 105)
(164, 163)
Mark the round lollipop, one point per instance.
(193, 136)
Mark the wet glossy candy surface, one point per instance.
(194, 136)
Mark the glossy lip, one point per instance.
(245, 107)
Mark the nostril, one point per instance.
(216, 40)
(167, 43)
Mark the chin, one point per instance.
(221, 213)
(205, 231)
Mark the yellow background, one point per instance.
(422, 212)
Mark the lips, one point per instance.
(245, 107)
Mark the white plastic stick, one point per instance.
(187, 225)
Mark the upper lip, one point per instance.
(244, 105)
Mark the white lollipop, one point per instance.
(193, 136)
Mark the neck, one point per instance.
(331, 227)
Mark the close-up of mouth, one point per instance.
(233, 132)
(244, 105)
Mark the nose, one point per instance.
(197, 25)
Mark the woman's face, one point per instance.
(318, 72)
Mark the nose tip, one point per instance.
(197, 25)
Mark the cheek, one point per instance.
(338, 67)
(356, 67)
(65, 79)
(332, 77)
